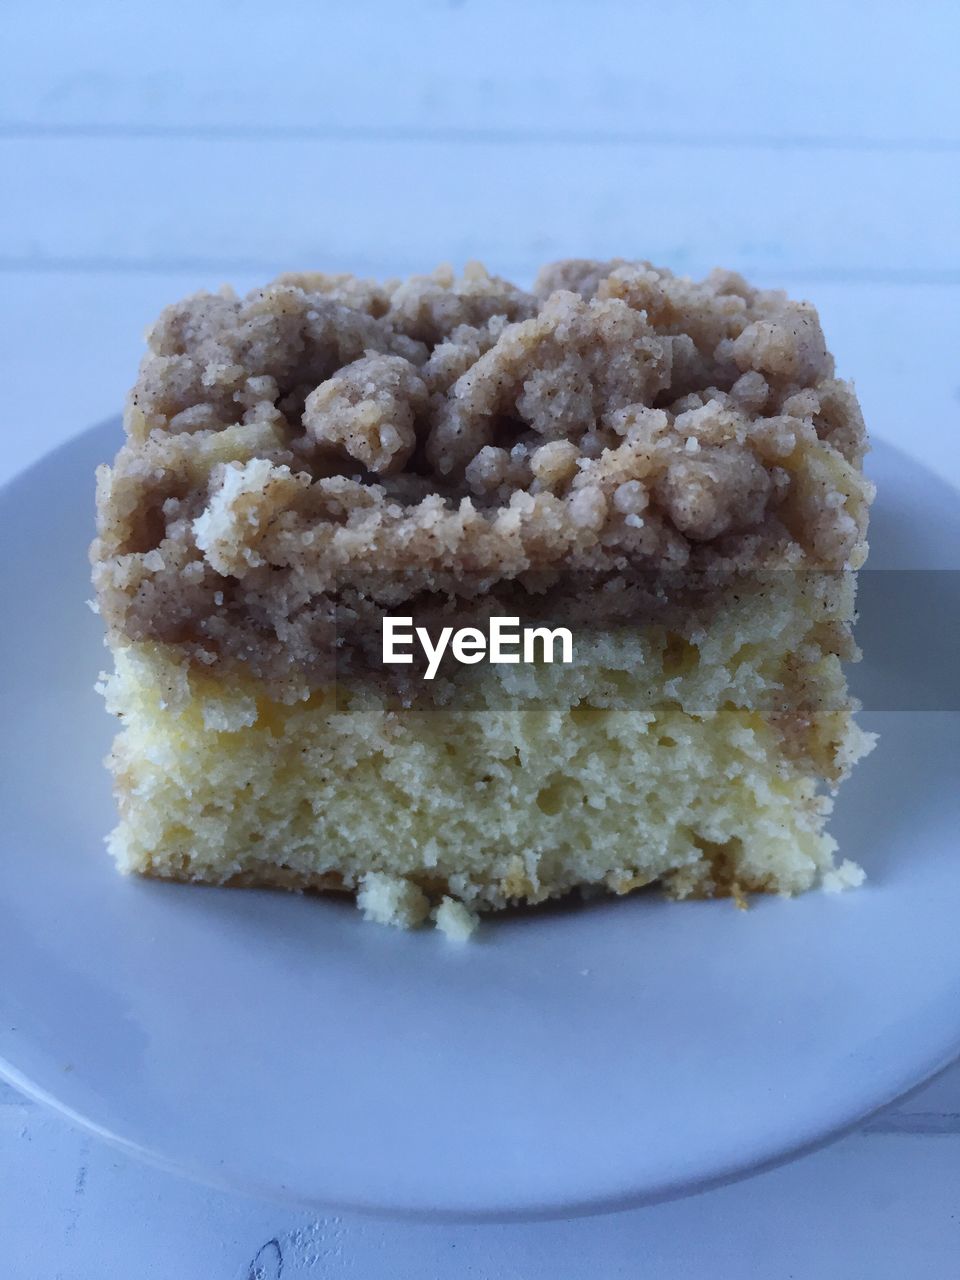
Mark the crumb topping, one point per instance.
(459, 433)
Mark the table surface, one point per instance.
(150, 151)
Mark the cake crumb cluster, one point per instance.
(456, 433)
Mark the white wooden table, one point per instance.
(152, 150)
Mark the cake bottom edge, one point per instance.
(403, 902)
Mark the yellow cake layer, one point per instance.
(650, 759)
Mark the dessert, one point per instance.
(668, 468)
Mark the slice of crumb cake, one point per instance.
(668, 468)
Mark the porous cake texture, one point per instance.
(670, 468)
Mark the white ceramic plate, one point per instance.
(567, 1059)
